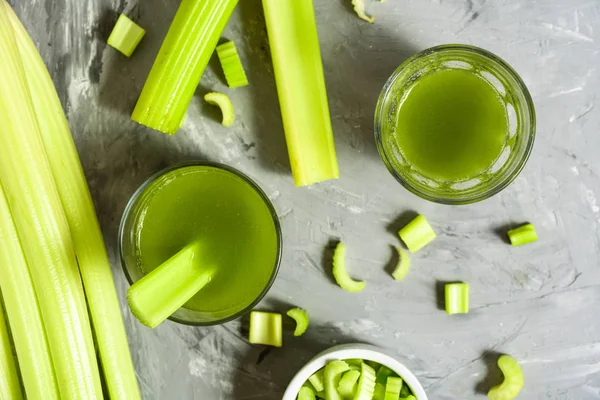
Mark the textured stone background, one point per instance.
(540, 302)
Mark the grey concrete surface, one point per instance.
(540, 303)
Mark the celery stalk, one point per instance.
(10, 387)
(21, 305)
(294, 43)
(180, 63)
(43, 229)
(87, 237)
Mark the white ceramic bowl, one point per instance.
(348, 351)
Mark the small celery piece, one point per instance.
(164, 290)
(379, 392)
(348, 383)
(366, 383)
(10, 387)
(417, 234)
(266, 328)
(392, 388)
(126, 35)
(409, 397)
(224, 103)
(403, 265)
(383, 373)
(232, 65)
(316, 380)
(180, 63)
(339, 271)
(359, 9)
(457, 298)
(333, 374)
(306, 393)
(300, 82)
(522, 235)
(405, 391)
(301, 317)
(513, 379)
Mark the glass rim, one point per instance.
(141, 189)
(529, 135)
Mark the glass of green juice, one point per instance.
(455, 124)
(223, 210)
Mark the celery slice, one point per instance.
(359, 9)
(126, 35)
(522, 235)
(77, 202)
(10, 387)
(457, 298)
(332, 375)
(224, 103)
(294, 43)
(163, 291)
(348, 383)
(180, 63)
(379, 392)
(403, 265)
(417, 234)
(383, 373)
(306, 393)
(316, 380)
(366, 383)
(392, 388)
(405, 391)
(409, 397)
(266, 328)
(42, 228)
(513, 379)
(301, 317)
(232, 65)
(339, 271)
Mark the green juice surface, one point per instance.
(452, 125)
(230, 220)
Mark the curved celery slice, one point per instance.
(457, 298)
(522, 235)
(316, 380)
(366, 383)
(379, 392)
(359, 9)
(224, 103)
(392, 388)
(306, 393)
(10, 387)
(513, 379)
(348, 383)
(126, 35)
(232, 65)
(403, 265)
(417, 234)
(332, 375)
(265, 328)
(301, 317)
(339, 271)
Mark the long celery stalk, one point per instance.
(43, 229)
(301, 88)
(10, 387)
(89, 246)
(180, 63)
(22, 308)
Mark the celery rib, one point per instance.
(10, 387)
(224, 103)
(232, 65)
(126, 35)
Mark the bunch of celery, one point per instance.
(50, 241)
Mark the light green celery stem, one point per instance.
(163, 291)
(10, 387)
(180, 63)
(126, 35)
(22, 307)
(301, 88)
(43, 229)
(74, 193)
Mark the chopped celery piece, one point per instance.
(306, 393)
(354, 361)
(266, 328)
(167, 288)
(522, 235)
(333, 374)
(300, 82)
(379, 392)
(88, 241)
(383, 373)
(366, 383)
(224, 103)
(126, 35)
(316, 380)
(339, 271)
(417, 234)
(301, 317)
(359, 9)
(348, 383)
(232, 65)
(392, 388)
(405, 391)
(180, 63)
(10, 387)
(403, 265)
(457, 298)
(513, 379)
(409, 397)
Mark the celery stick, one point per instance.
(392, 388)
(10, 387)
(359, 9)
(300, 82)
(316, 380)
(265, 328)
(513, 379)
(403, 265)
(232, 65)
(94, 265)
(332, 375)
(366, 383)
(522, 235)
(457, 298)
(43, 229)
(301, 317)
(126, 35)
(348, 383)
(167, 288)
(417, 234)
(25, 320)
(341, 275)
(180, 63)
(224, 103)
(306, 393)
